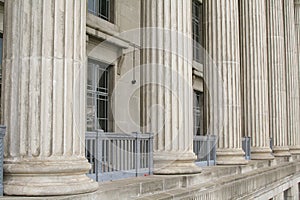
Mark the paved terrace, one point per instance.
(257, 180)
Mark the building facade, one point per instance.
(174, 68)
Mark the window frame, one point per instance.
(96, 95)
(197, 23)
(97, 9)
(198, 97)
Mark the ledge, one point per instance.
(107, 38)
(101, 25)
(258, 177)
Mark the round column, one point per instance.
(292, 77)
(167, 79)
(295, 73)
(254, 73)
(222, 45)
(43, 98)
(277, 77)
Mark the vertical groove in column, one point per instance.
(223, 77)
(254, 77)
(174, 86)
(57, 77)
(189, 59)
(169, 111)
(46, 75)
(167, 80)
(24, 81)
(277, 79)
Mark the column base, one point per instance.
(295, 150)
(261, 153)
(231, 157)
(47, 177)
(281, 151)
(174, 163)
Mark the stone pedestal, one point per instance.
(167, 84)
(223, 79)
(43, 98)
(277, 77)
(254, 71)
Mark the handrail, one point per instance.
(2, 134)
(205, 150)
(246, 145)
(119, 155)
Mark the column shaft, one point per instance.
(292, 77)
(295, 138)
(167, 80)
(277, 77)
(254, 73)
(44, 75)
(223, 78)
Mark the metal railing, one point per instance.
(116, 156)
(271, 143)
(2, 134)
(246, 145)
(205, 150)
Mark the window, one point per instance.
(198, 113)
(197, 17)
(287, 194)
(102, 8)
(1, 49)
(298, 190)
(97, 96)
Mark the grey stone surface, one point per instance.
(222, 74)
(254, 76)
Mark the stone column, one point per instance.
(43, 99)
(167, 79)
(254, 72)
(279, 197)
(292, 77)
(223, 78)
(295, 139)
(277, 77)
(294, 192)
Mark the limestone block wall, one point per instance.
(111, 43)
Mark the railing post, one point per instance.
(215, 149)
(150, 153)
(246, 145)
(271, 144)
(249, 147)
(98, 156)
(137, 153)
(208, 150)
(2, 133)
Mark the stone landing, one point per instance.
(229, 182)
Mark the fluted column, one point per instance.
(167, 79)
(254, 73)
(295, 139)
(277, 77)
(223, 78)
(292, 77)
(44, 76)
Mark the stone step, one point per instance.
(242, 186)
